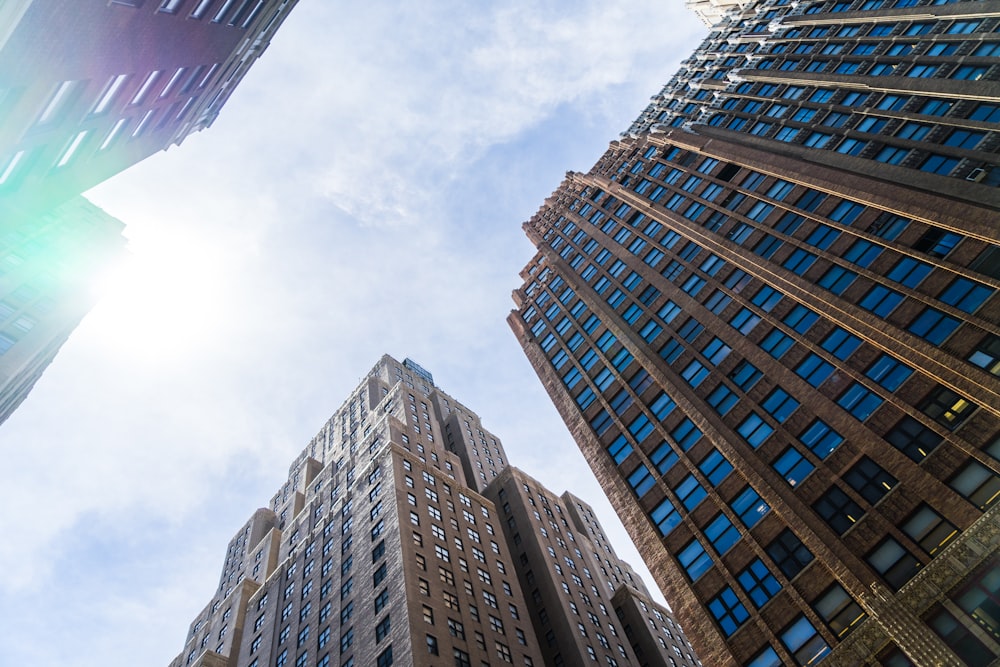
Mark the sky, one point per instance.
(361, 193)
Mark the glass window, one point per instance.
(977, 483)
(758, 583)
(793, 466)
(965, 294)
(869, 479)
(820, 438)
(889, 372)
(694, 559)
(722, 534)
(860, 401)
(933, 326)
(839, 610)
(958, 637)
(928, 529)
(913, 438)
(893, 562)
(838, 510)
(788, 553)
(803, 642)
(728, 611)
(750, 507)
(946, 407)
(755, 430)
(814, 369)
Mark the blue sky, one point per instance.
(361, 193)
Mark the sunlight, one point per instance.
(162, 301)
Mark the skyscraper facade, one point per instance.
(379, 550)
(90, 87)
(49, 267)
(768, 317)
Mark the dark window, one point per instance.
(928, 529)
(980, 599)
(913, 438)
(838, 510)
(869, 480)
(977, 483)
(839, 610)
(958, 638)
(947, 407)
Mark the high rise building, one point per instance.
(90, 87)
(48, 270)
(586, 604)
(768, 316)
(381, 550)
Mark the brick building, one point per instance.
(768, 316)
(379, 550)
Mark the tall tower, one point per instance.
(379, 551)
(91, 87)
(49, 267)
(768, 317)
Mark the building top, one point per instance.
(90, 87)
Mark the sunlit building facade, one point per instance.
(780, 354)
(49, 269)
(379, 550)
(90, 87)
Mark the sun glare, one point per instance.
(163, 300)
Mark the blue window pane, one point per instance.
(792, 466)
(641, 480)
(777, 343)
(728, 611)
(803, 642)
(860, 401)
(933, 326)
(780, 405)
(663, 457)
(620, 449)
(694, 559)
(640, 427)
(686, 434)
(881, 300)
(690, 492)
(840, 343)
(665, 516)
(766, 658)
(749, 506)
(695, 373)
(662, 406)
(745, 375)
(814, 369)
(889, 372)
(800, 319)
(715, 467)
(722, 399)
(820, 439)
(758, 583)
(722, 534)
(754, 430)
(909, 271)
(965, 294)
